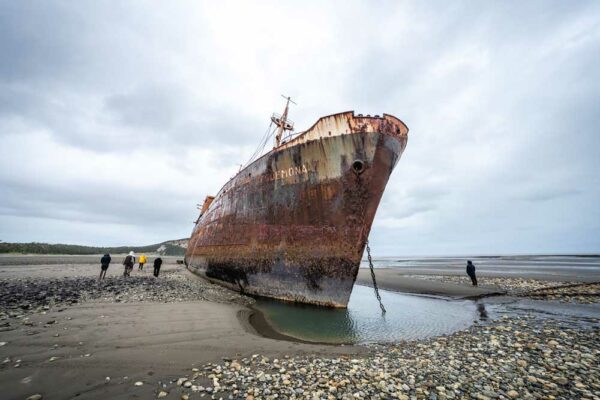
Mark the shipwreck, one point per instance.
(293, 223)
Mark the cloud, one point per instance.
(117, 118)
(549, 194)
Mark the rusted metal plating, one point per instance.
(293, 224)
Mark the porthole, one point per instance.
(358, 166)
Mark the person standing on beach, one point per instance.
(471, 272)
(157, 264)
(104, 261)
(128, 263)
(142, 261)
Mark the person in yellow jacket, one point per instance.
(142, 261)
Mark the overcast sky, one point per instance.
(116, 118)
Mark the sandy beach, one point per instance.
(63, 335)
(395, 280)
(70, 350)
(447, 283)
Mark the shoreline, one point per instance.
(258, 323)
(131, 330)
(396, 281)
(155, 331)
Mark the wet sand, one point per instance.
(70, 350)
(59, 266)
(545, 281)
(144, 341)
(395, 280)
(130, 340)
(582, 268)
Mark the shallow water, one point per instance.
(564, 267)
(408, 317)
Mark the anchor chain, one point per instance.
(374, 281)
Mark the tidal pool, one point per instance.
(408, 317)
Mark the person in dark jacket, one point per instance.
(128, 264)
(157, 264)
(471, 272)
(104, 262)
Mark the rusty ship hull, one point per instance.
(293, 224)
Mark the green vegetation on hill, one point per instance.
(165, 248)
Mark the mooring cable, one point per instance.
(373, 277)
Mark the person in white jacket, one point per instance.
(128, 264)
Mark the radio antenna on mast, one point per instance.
(282, 121)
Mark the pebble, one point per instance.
(20, 297)
(464, 364)
(512, 357)
(561, 380)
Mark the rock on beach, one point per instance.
(511, 358)
(536, 358)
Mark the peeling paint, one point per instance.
(294, 223)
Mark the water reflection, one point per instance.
(483, 315)
(407, 317)
(310, 322)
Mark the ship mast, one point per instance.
(282, 122)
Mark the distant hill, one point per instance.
(168, 248)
